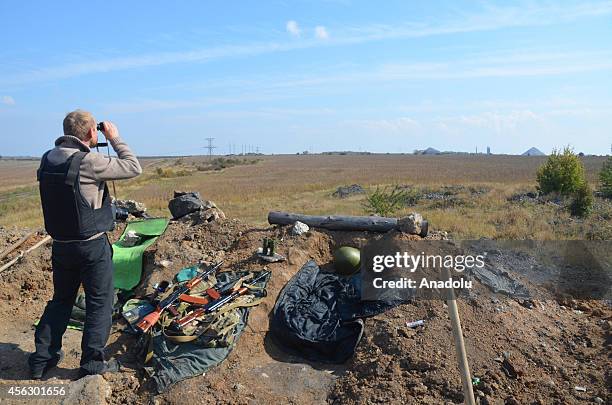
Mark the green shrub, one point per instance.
(562, 173)
(605, 177)
(384, 202)
(221, 163)
(167, 172)
(582, 203)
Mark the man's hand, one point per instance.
(109, 130)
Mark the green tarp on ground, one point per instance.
(173, 362)
(127, 261)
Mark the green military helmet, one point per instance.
(347, 260)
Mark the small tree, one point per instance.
(562, 173)
(583, 201)
(605, 177)
(384, 202)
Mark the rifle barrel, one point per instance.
(216, 304)
(213, 306)
(148, 321)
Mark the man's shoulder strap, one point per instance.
(43, 160)
(75, 166)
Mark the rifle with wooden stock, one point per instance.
(215, 305)
(151, 319)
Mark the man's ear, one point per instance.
(92, 134)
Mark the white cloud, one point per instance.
(321, 32)
(8, 100)
(293, 28)
(503, 122)
(490, 19)
(499, 122)
(529, 63)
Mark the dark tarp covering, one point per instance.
(174, 362)
(318, 315)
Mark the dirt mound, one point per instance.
(28, 282)
(8, 236)
(521, 353)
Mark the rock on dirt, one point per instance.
(134, 208)
(204, 216)
(89, 390)
(185, 203)
(190, 208)
(299, 228)
(413, 224)
(347, 191)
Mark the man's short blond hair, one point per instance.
(78, 123)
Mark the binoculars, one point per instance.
(100, 127)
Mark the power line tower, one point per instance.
(210, 147)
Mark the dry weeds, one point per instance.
(305, 184)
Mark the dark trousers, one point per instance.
(90, 263)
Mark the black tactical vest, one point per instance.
(68, 216)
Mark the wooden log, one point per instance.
(464, 368)
(462, 360)
(16, 259)
(335, 223)
(9, 264)
(15, 245)
(39, 244)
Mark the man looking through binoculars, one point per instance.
(77, 211)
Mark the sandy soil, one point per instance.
(521, 355)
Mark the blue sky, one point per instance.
(289, 76)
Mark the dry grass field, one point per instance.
(478, 188)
